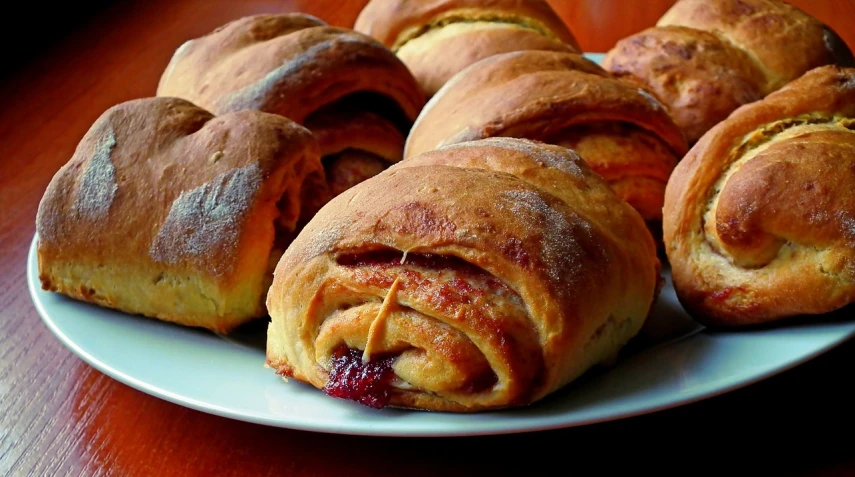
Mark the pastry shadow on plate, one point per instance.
(842, 315)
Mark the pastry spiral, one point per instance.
(438, 38)
(759, 218)
(357, 97)
(705, 58)
(479, 276)
(167, 211)
(622, 132)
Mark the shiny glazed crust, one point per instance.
(759, 218)
(539, 272)
(547, 96)
(288, 64)
(424, 33)
(167, 211)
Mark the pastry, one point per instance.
(705, 58)
(438, 38)
(621, 131)
(759, 217)
(482, 275)
(352, 91)
(169, 212)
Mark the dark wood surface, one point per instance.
(59, 416)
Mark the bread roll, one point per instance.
(784, 41)
(483, 275)
(700, 78)
(759, 218)
(167, 211)
(705, 58)
(438, 38)
(622, 132)
(350, 90)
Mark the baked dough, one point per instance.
(759, 218)
(482, 275)
(167, 211)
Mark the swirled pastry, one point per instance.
(167, 211)
(759, 218)
(352, 92)
(705, 58)
(479, 276)
(621, 131)
(438, 38)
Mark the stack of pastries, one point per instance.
(471, 231)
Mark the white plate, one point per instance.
(680, 363)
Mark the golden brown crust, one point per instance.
(758, 216)
(784, 41)
(424, 33)
(697, 75)
(393, 22)
(289, 64)
(541, 95)
(500, 243)
(168, 211)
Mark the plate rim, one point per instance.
(323, 427)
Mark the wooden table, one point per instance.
(58, 415)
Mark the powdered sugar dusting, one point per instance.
(560, 241)
(98, 184)
(207, 220)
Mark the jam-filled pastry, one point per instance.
(759, 218)
(438, 38)
(350, 90)
(169, 212)
(705, 58)
(479, 276)
(623, 133)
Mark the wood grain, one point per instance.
(58, 416)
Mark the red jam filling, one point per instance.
(368, 383)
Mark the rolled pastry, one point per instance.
(438, 38)
(350, 90)
(167, 211)
(621, 131)
(483, 275)
(705, 58)
(759, 218)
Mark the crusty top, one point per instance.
(289, 64)
(783, 40)
(534, 94)
(758, 216)
(698, 75)
(394, 22)
(532, 215)
(159, 180)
